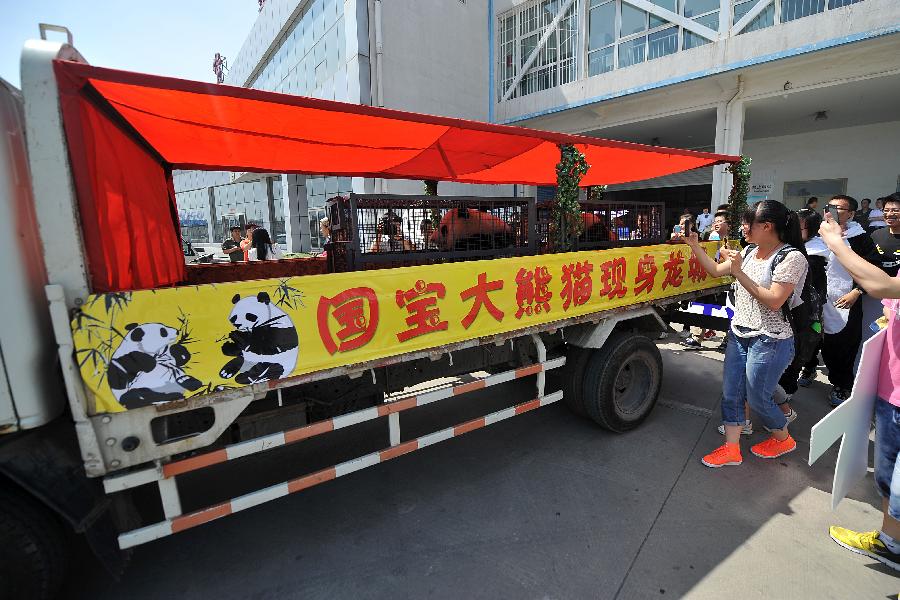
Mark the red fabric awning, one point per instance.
(127, 131)
(194, 125)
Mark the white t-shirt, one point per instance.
(704, 220)
(751, 317)
(876, 218)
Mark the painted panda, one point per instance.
(470, 229)
(263, 343)
(148, 366)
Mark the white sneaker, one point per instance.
(791, 417)
(747, 429)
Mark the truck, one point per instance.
(126, 370)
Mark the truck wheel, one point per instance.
(33, 556)
(572, 378)
(622, 381)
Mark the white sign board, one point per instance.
(762, 188)
(851, 421)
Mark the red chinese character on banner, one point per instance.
(577, 284)
(420, 301)
(673, 270)
(646, 274)
(613, 278)
(479, 291)
(532, 294)
(350, 313)
(696, 272)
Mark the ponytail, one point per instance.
(791, 233)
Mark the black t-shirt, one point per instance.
(234, 256)
(887, 247)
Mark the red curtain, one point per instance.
(129, 219)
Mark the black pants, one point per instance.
(788, 380)
(839, 350)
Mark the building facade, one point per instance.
(419, 56)
(807, 88)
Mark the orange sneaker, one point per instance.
(723, 456)
(772, 448)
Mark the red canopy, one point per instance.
(170, 124)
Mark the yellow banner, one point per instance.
(153, 346)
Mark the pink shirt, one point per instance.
(889, 374)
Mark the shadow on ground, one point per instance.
(543, 506)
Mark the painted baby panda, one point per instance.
(148, 366)
(264, 342)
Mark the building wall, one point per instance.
(866, 156)
(833, 28)
(436, 62)
(316, 48)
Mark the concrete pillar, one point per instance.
(211, 223)
(296, 213)
(729, 140)
(270, 204)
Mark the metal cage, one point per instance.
(378, 231)
(608, 224)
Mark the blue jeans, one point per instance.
(753, 366)
(887, 460)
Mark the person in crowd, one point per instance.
(807, 350)
(247, 242)
(876, 216)
(232, 246)
(886, 256)
(842, 311)
(389, 235)
(862, 215)
(812, 204)
(325, 230)
(690, 337)
(887, 239)
(760, 341)
(685, 223)
(718, 231)
(261, 247)
(704, 221)
(881, 544)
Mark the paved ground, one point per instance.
(546, 505)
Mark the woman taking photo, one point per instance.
(760, 341)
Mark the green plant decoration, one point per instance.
(567, 212)
(737, 199)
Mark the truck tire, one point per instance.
(622, 381)
(33, 556)
(572, 378)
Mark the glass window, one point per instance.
(692, 40)
(840, 3)
(764, 19)
(672, 5)
(634, 20)
(693, 8)
(601, 61)
(527, 47)
(632, 52)
(602, 29)
(795, 9)
(662, 42)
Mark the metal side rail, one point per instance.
(164, 474)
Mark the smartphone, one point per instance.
(833, 211)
